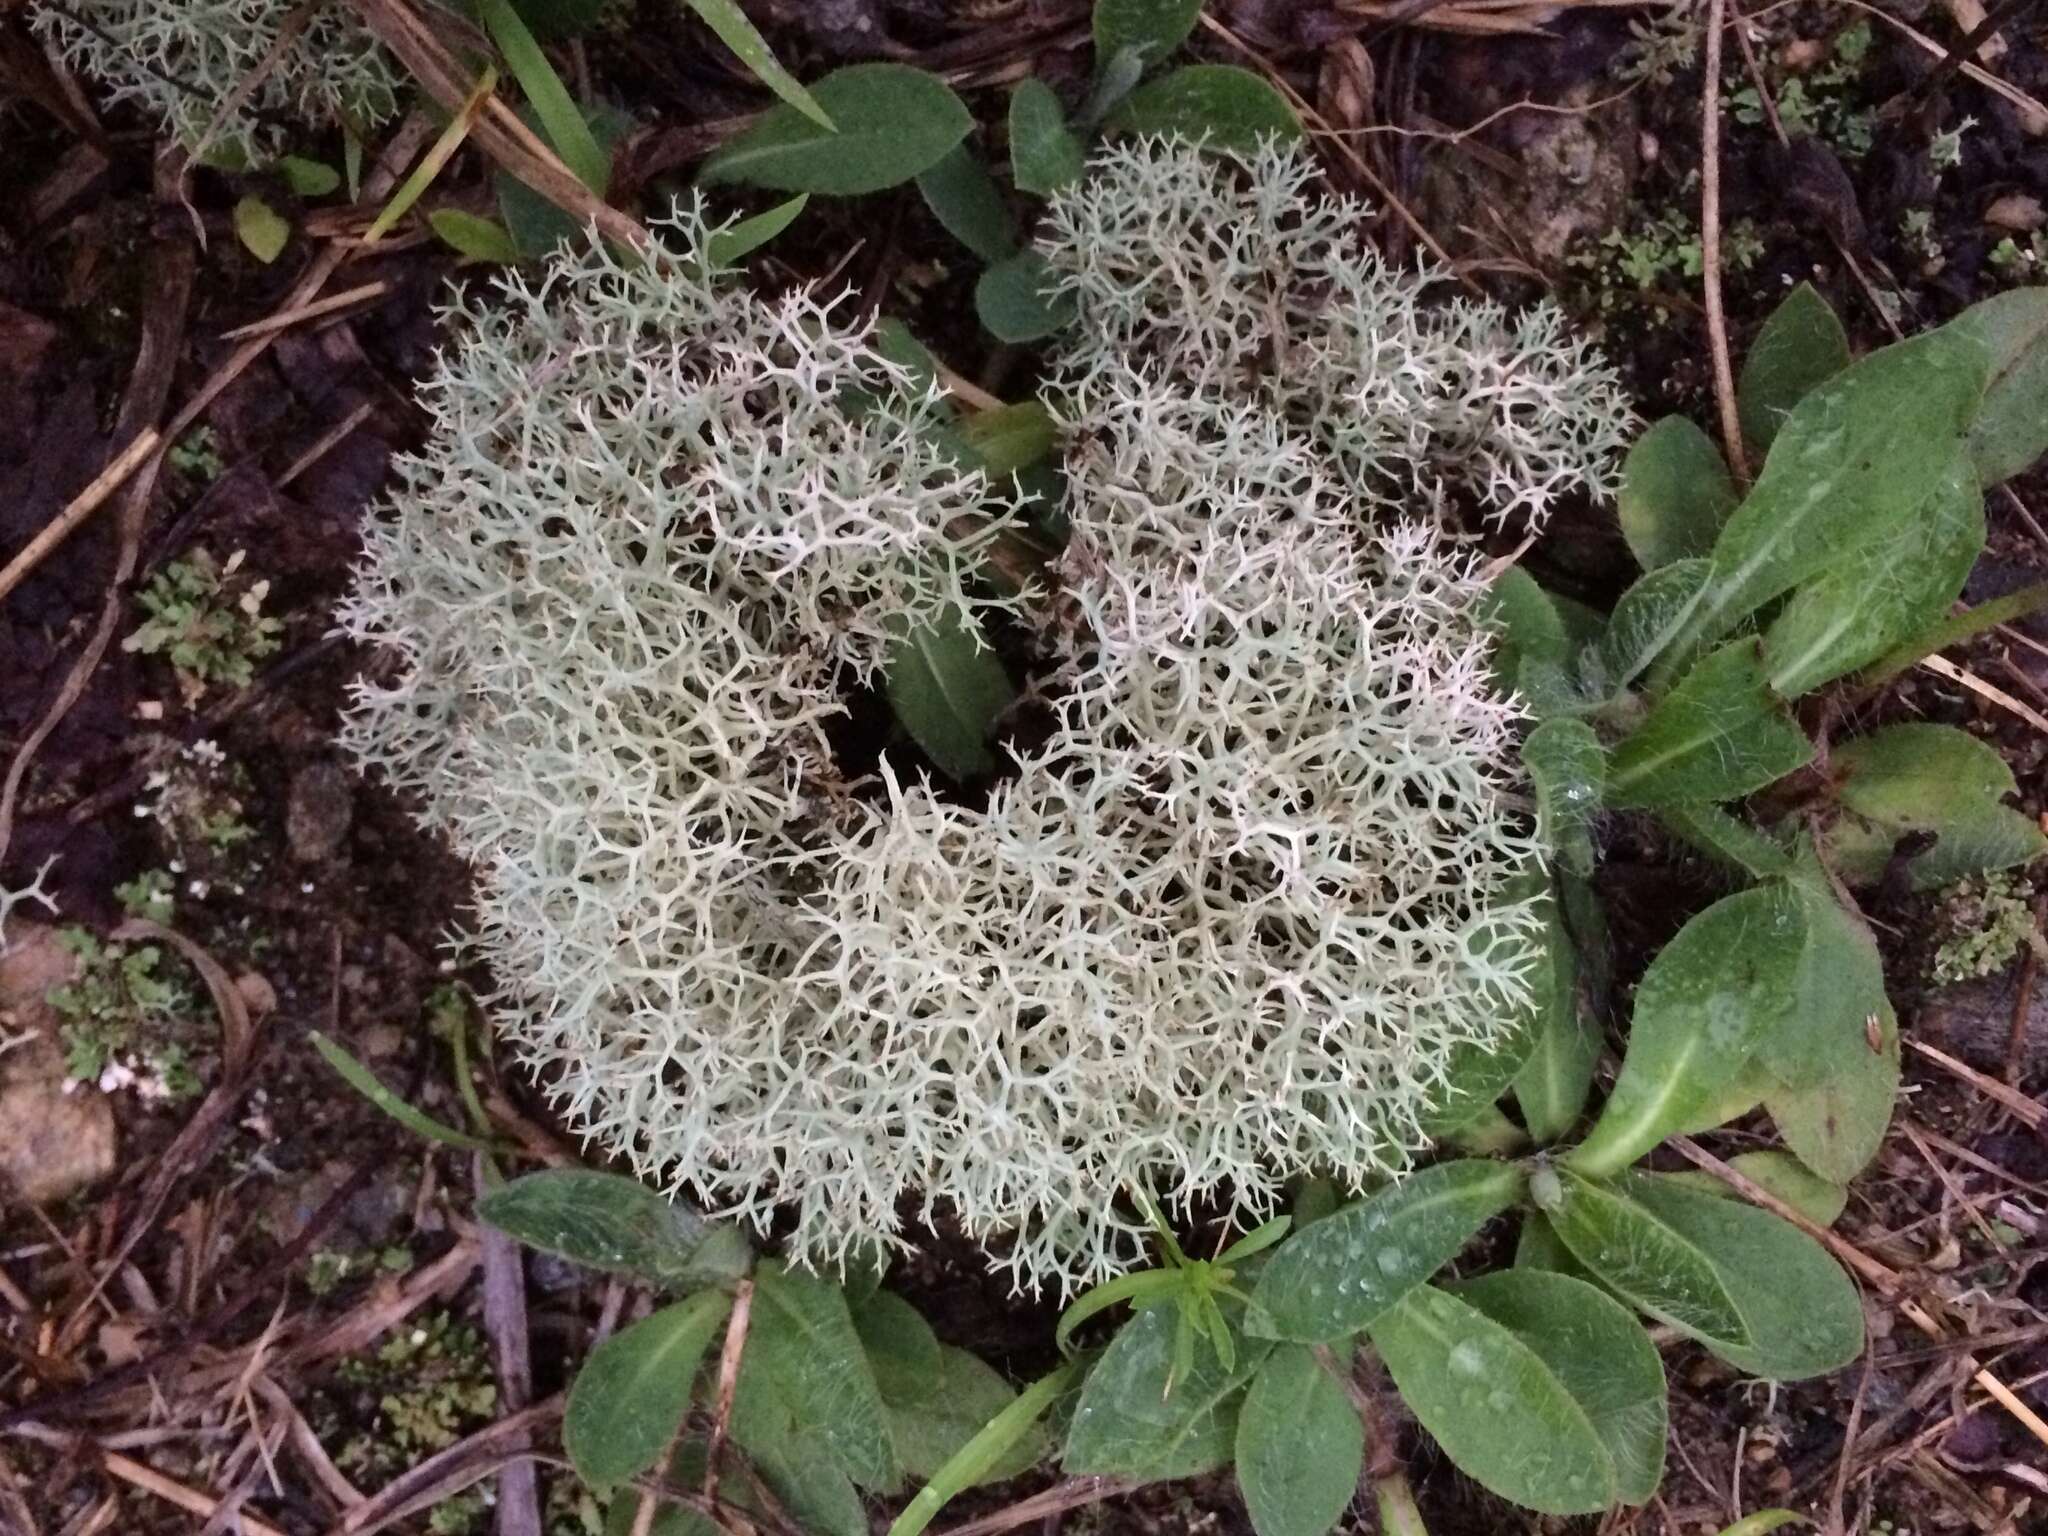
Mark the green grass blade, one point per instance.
(438, 155)
(360, 1078)
(560, 118)
(737, 33)
(974, 1458)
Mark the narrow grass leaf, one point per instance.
(420, 1123)
(992, 1446)
(561, 119)
(438, 154)
(730, 246)
(725, 18)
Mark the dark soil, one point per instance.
(165, 1321)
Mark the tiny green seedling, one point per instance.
(1189, 1285)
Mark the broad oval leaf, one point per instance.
(964, 197)
(1526, 624)
(628, 1400)
(1638, 1256)
(2010, 428)
(611, 1222)
(479, 239)
(1719, 734)
(1728, 979)
(1335, 1278)
(1154, 27)
(1837, 989)
(902, 1350)
(309, 178)
(948, 688)
(1494, 1405)
(1300, 1446)
(1008, 438)
(1227, 107)
(1836, 1126)
(1801, 1311)
(1045, 154)
(1880, 592)
(1015, 300)
(806, 1390)
(262, 230)
(1926, 778)
(1479, 1074)
(1858, 455)
(1802, 345)
(960, 1397)
(893, 123)
(1780, 1174)
(1568, 768)
(814, 1490)
(1597, 1349)
(1127, 1424)
(1675, 494)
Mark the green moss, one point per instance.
(1987, 922)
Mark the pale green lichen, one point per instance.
(180, 60)
(1986, 923)
(1224, 924)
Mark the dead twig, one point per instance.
(1710, 245)
(728, 1379)
(80, 507)
(518, 1511)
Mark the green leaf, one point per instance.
(1045, 154)
(1763, 1522)
(730, 246)
(1009, 438)
(894, 122)
(1015, 301)
(1858, 456)
(1729, 979)
(1735, 843)
(1226, 107)
(902, 1350)
(1478, 1074)
(419, 1122)
(473, 237)
(1953, 629)
(894, 341)
(1836, 1126)
(614, 1223)
(308, 178)
(960, 192)
(1675, 494)
(1128, 1424)
(1880, 593)
(960, 1398)
(725, 18)
(805, 1387)
(1817, 1199)
(1527, 624)
(262, 230)
(821, 1496)
(1552, 1084)
(1837, 985)
(995, 1445)
(2010, 429)
(1332, 1280)
(629, 1398)
(561, 120)
(1800, 347)
(1647, 619)
(1498, 1410)
(1568, 767)
(1154, 27)
(1717, 735)
(948, 688)
(537, 225)
(1913, 778)
(1801, 1310)
(1641, 1258)
(1538, 1247)
(1300, 1446)
(1596, 1348)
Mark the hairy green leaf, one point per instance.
(1836, 1125)
(1568, 767)
(1014, 300)
(903, 1352)
(1128, 1424)
(1154, 27)
(629, 1398)
(1526, 624)
(1335, 1278)
(948, 687)
(805, 1388)
(963, 196)
(1731, 840)
(1879, 593)
(1800, 1309)
(1675, 494)
(893, 123)
(1838, 984)
(1225, 106)
(1045, 154)
(1009, 438)
(1552, 1083)
(1926, 778)
(1597, 1349)
(1801, 346)
(1719, 734)
(614, 1223)
(1647, 619)
(1495, 1406)
(2010, 428)
(1632, 1251)
(1300, 1446)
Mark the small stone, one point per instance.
(52, 1143)
(318, 812)
(2017, 212)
